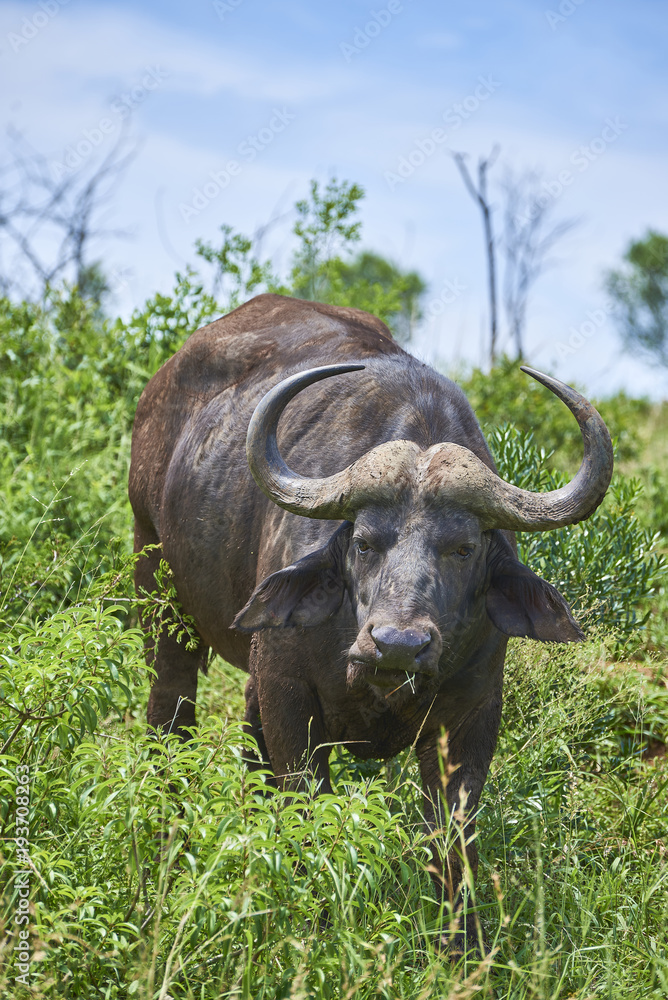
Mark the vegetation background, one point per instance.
(160, 871)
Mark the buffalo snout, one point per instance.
(399, 647)
(384, 650)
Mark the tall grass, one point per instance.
(165, 871)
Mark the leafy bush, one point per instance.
(507, 395)
(69, 386)
(605, 566)
(61, 676)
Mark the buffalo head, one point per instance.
(423, 555)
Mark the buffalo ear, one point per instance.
(520, 603)
(305, 594)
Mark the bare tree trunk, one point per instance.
(479, 194)
(491, 261)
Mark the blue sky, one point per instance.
(354, 89)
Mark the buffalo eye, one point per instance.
(362, 546)
(464, 551)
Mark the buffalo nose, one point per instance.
(399, 644)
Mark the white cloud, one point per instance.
(107, 46)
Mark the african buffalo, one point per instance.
(370, 592)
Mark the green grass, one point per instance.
(171, 871)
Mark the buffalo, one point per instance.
(337, 529)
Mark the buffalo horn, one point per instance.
(462, 479)
(319, 498)
(522, 510)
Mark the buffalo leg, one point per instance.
(291, 729)
(453, 775)
(294, 739)
(253, 726)
(171, 704)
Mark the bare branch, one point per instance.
(528, 239)
(479, 194)
(49, 213)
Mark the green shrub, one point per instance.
(69, 386)
(605, 566)
(60, 677)
(507, 395)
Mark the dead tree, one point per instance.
(479, 194)
(49, 215)
(529, 236)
